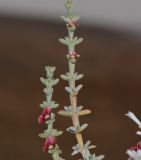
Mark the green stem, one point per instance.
(49, 94)
(50, 126)
(69, 8)
(55, 155)
(71, 35)
(49, 83)
(73, 100)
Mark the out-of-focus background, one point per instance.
(110, 60)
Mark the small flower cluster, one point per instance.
(137, 147)
(73, 55)
(73, 110)
(48, 117)
(44, 115)
(135, 152)
(49, 143)
(72, 25)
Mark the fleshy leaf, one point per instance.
(56, 133)
(55, 81)
(97, 157)
(68, 109)
(65, 19)
(69, 5)
(79, 77)
(69, 90)
(87, 143)
(84, 126)
(64, 77)
(63, 41)
(78, 88)
(65, 113)
(84, 112)
(79, 108)
(42, 80)
(44, 104)
(54, 105)
(79, 41)
(76, 149)
(75, 18)
(71, 130)
(43, 135)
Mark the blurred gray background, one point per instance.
(113, 13)
(110, 60)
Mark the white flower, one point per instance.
(135, 119)
(135, 155)
(138, 133)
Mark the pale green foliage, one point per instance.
(74, 90)
(78, 129)
(50, 131)
(52, 104)
(73, 111)
(49, 83)
(86, 152)
(71, 42)
(68, 76)
(79, 108)
(65, 113)
(68, 19)
(69, 111)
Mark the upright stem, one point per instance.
(55, 155)
(71, 42)
(48, 117)
(73, 100)
(73, 110)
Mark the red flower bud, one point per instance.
(46, 147)
(136, 148)
(51, 140)
(41, 119)
(49, 143)
(139, 145)
(73, 55)
(72, 24)
(45, 115)
(46, 111)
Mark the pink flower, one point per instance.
(49, 143)
(135, 152)
(45, 115)
(137, 147)
(73, 55)
(72, 24)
